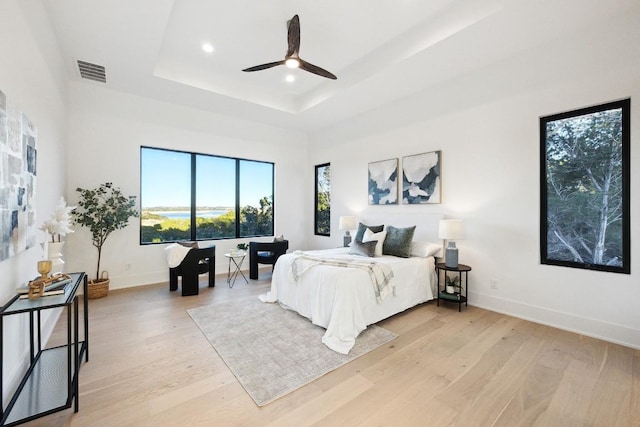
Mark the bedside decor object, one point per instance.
(421, 178)
(451, 284)
(103, 210)
(451, 229)
(347, 223)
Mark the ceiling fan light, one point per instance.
(292, 63)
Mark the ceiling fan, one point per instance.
(292, 58)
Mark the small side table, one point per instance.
(235, 260)
(460, 294)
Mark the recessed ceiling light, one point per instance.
(207, 47)
(290, 78)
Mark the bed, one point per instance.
(343, 300)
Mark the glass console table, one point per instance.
(50, 384)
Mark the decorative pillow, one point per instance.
(398, 241)
(425, 249)
(370, 236)
(279, 238)
(367, 249)
(363, 227)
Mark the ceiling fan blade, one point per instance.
(316, 70)
(293, 36)
(264, 66)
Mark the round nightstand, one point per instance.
(459, 294)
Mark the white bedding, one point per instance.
(342, 300)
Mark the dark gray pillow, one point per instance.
(363, 249)
(398, 241)
(363, 227)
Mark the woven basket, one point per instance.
(99, 288)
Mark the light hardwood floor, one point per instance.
(151, 366)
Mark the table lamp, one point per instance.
(451, 229)
(347, 223)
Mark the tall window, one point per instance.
(585, 192)
(192, 196)
(323, 200)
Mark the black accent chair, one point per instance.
(265, 253)
(197, 261)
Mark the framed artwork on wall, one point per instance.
(421, 178)
(584, 188)
(383, 182)
(18, 157)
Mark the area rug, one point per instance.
(273, 351)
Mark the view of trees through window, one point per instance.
(191, 196)
(323, 200)
(586, 196)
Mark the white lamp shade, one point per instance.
(347, 223)
(451, 229)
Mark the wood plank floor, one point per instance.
(151, 366)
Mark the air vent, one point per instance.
(92, 71)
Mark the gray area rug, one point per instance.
(273, 351)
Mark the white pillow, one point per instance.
(425, 249)
(379, 237)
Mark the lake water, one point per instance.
(187, 214)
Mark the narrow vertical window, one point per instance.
(323, 200)
(215, 197)
(165, 196)
(256, 198)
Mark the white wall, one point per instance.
(107, 129)
(30, 74)
(486, 125)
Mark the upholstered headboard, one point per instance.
(426, 224)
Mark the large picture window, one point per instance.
(193, 196)
(585, 218)
(322, 208)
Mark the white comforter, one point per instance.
(342, 300)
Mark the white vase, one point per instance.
(54, 253)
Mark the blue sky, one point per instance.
(166, 177)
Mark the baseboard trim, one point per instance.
(611, 332)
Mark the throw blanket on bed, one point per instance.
(381, 274)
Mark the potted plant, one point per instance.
(242, 246)
(452, 284)
(102, 210)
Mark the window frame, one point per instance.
(193, 194)
(625, 194)
(316, 218)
